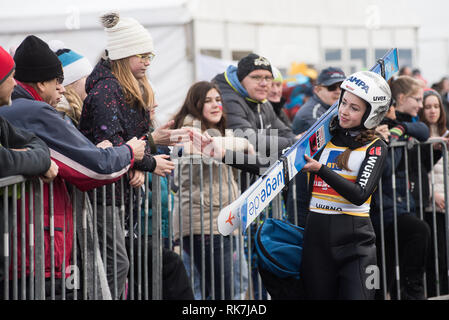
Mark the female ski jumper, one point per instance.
(339, 258)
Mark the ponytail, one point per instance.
(364, 137)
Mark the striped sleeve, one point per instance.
(80, 161)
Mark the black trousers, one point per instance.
(218, 267)
(413, 247)
(441, 254)
(339, 251)
(175, 282)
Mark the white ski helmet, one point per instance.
(373, 89)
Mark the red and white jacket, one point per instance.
(80, 163)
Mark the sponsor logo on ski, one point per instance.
(230, 219)
(265, 192)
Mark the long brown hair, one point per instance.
(194, 104)
(441, 123)
(136, 91)
(364, 137)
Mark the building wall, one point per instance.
(171, 73)
(303, 31)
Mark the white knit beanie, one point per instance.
(125, 37)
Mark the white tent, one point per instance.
(77, 25)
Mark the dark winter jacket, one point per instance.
(35, 161)
(426, 165)
(308, 114)
(417, 130)
(248, 118)
(106, 116)
(278, 108)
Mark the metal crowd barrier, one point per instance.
(87, 277)
(420, 213)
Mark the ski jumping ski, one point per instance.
(253, 201)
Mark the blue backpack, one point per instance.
(279, 248)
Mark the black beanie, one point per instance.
(250, 63)
(36, 62)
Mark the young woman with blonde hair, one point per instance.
(118, 105)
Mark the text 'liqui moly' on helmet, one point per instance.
(372, 88)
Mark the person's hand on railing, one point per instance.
(104, 144)
(136, 178)
(163, 166)
(138, 147)
(396, 132)
(51, 173)
(166, 136)
(439, 201)
(437, 145)
(384, 132)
